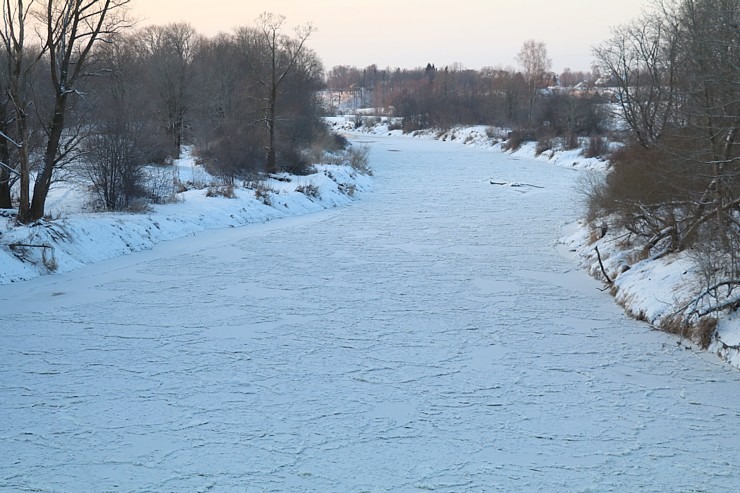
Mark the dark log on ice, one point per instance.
(515, 184)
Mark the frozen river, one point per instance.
(429, 337)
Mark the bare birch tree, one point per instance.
(535, 66)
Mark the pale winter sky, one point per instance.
(412, 33)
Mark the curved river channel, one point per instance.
(429, 337)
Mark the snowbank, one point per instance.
(479, 136)
(76, 238)
(655, 290)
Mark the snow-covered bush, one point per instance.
(357, 157)
(225, 190)
(263, 192)
(309, 190)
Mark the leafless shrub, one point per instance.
(395, 124)
(597, 147)
(593, 187)
(517, 138)
(358, 159)
(264, 192)
(225, 190)
(294, 162)
(235, 151)
(705, 330)
(347, 189)
(544, 143)
(335, 158)
(700, 332)
(649, 193)
(571, 141)
(114, 164)
(325, 145)
(711, 263)
(717, 265)
(162, 184)
(495, 134)
(309, 190)
(199, 173)
(139, 206)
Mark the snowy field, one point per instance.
(429, 337)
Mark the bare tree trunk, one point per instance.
(5, 198)
(271, 154)
(43, 179)
(5, 173)
(13, 35)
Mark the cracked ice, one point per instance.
(428, 337)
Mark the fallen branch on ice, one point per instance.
(505, 184)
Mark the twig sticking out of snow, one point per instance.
(601, 264)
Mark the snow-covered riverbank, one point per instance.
(76, 238)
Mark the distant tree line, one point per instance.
(519, 99)
(83, 91)
(675, 186)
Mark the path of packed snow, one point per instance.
(429, 337)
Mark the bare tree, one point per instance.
(18, 63)
(641, 58)
(170, 50)
(123, 132)
(219, 72)
(535, 65)
(279, 56)
(256, 107)
(70, 29)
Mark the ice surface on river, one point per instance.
(427, 338)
